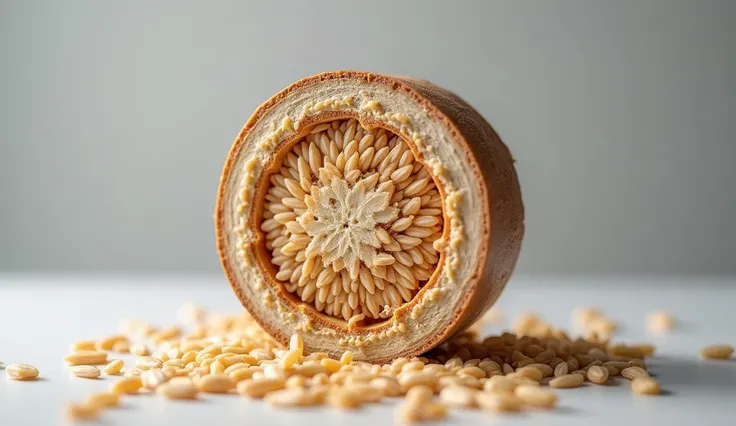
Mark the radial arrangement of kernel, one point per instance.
(350, 220)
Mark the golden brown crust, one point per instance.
(506, 207)
(503, 215)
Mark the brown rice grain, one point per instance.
(127, 385)
(258, 388)
(561, 369)
(535, 396)
(573, 380)
(717, 352)
(107, 343)
(216, 383)
(458, 396)
(498, 402)
(83, 345)
(598, 374)
(294, 397)
(81, 411)
(21, 372)
(103, 400)
(178, 388)
(85, 371)
(645, 386)
(139, 349)
(660, 321)
(388, 385)
(86, 358)
(122, 347)
(152, 379)
(148, 362)
(632, 373)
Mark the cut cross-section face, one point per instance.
(350, 220)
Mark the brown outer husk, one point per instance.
(504, 224)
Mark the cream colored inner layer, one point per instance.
(350, 219)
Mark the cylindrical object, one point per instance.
(368, 213)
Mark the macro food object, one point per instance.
(368, 213)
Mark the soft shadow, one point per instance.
(565, 410)
(694, 373)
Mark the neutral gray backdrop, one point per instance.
(115, 119)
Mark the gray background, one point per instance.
(116, 117)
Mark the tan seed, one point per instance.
(531, 373)
(296, 382)
(295, 397)
(418, 378)
(341, 399)
(216, 383)
(148, 362)
(103, 400)
(291, 357)
(498, 402)
(388, 385)
(545, 369)
(619, 365)
(107, 343)
(83, 345)
(365, 392)
(129, 372)
(632, 373)
(127, 385)
(217, 367)
(500, 384)
(188, 357)
(458, 396)
(234, 367)
(333, 366)
(717, 352)
(258, 388)
(423, 412)
(561, 369)
(660, 321)
(419, 394)
(645, 386)
(567, 381)
(472, 371)
(346, 358)
(114, 367)
(81, 411)
(535, 396)
(86, 358)
(21, 372)
(122, 347)
(152, 379)
(173, 363)
(637, 363)
(598, 374)
(244, 373)
(646, 349)
(139, 349)
(612, 371)
(178, 388)
(86, 371)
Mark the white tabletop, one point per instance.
(41, 315)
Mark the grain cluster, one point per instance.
(350, 219)
(231, 354)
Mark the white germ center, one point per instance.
(344, 224)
